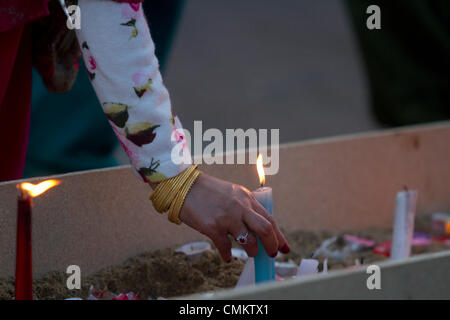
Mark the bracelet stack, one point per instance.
(170, 194)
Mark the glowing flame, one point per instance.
(259, 166)
(35, 190)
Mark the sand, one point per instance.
(165, 273)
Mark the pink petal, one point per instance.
(121, 296)
(135, 6)
(278, 278)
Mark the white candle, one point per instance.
(248, 274)
(405, 209)
(307, 267)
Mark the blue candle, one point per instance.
(264, 265)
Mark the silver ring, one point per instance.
(242, 238)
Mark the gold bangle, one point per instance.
(167, 190)
(167, 195)
(178, 203)
(164, 196)
(167, 187)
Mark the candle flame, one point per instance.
(35, 190)
(260, 168)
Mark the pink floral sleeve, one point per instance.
(119, 56)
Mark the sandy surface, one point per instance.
(165, 273)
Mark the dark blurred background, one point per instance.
(292, 65)
(310, 68)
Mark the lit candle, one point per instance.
(24, 269)
(24, 277)
(264, 265)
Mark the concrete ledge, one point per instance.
(420, 277)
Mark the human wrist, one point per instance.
(170, 194)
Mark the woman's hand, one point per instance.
(218, 208)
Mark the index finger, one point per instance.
(264, 230)
(282, 242)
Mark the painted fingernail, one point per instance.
(274, 255)
(285, 249)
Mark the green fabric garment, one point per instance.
(407, 60)
(69, 132)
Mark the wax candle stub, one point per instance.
(239, 254)
(248, 274)
(308, 267)
(405, 209)
(285, 269)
